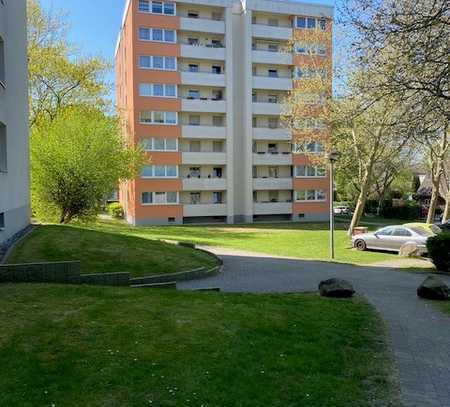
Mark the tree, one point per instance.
(58, 75)
(77, 159)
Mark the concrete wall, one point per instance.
(14, 183)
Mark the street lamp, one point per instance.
(332, 157)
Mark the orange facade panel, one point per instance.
(310, 207)
(156, 130)
(164, 158)
(155, 21)
(157, 104)
(162, 212)
(311, 183)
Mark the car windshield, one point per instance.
(422, 231)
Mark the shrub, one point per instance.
(409, 211)
(439, 251)
(115, 210)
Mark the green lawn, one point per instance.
(445, 306)
(307, 240)
(103, 251)
(91, 346)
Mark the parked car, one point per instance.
(428, 226)
(392, 238)
(342, 210)
(445, 227)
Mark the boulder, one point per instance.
(336, 288)
(433, 288)
(410, 250)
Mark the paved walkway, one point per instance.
(419, 333)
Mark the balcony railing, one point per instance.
(189, 176)
(203, 99)
(201, 45)
(188, 202)
(259, 99)
(280, 50)
(273, 201)
(278, 76)
(272, 152)
(282, 24)
(202, 71)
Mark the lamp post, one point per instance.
(332, 157)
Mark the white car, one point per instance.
(342, 210)
(392, 238)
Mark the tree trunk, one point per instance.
(433, 201)
(360, 204)
(446, 214)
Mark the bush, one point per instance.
(115, 210)
(410, 211)
(439, 251)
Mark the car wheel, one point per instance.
(361, 245)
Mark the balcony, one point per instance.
(267, 108)
(199, 132)
(202, 25)
(271, 32)
(202, 51)
(273, 83)
(205, 209)
(260, 56)
(266, 133)
(204, 158)
(272, 208)
(272, 184)
(262, 158)
(203, 105)
(204, 184)
(203, 79)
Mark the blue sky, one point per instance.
(95, 23)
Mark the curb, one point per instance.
(31, 228)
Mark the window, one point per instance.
(217, 146)
(272, 98)
(160, 144)
(273, 73)
(170, 118)
(158, 62)
(217, 69)
(303, 171)
(272, 148)
(386, 231)
(159, 198)
(2, 63)
(194, 120)
(311, 23)
(193, 94)
(218, 197)
(192, 14)
(193, 68)
(272, 47)
(309, 73)
(156, 7)
(157, 34)
(273, 196)
(217, 16)
(217, 172)
(193, 41)
(305, 147)
(310, 195)
(195, 198)
(273, 123)
(195, 146)
(2, 220)
(194, 172)
(401, 232)
(273, 22)
(310, 49)
(273, 172)
(217, 121)
(217, 94)
(157, 90)
(159, 171)
(216, 44)
(3, 146)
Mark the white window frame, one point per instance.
(153, 203)
(165, 172)
(316, 169)
(316, 193)
(152, 90)
(163, 3)
(152, 144)
(152, 65)
(163, 30)
(165, 123)
(301, 148)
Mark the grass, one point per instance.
(90, 346)
(445, 307)
(307, 240)
(102, 251)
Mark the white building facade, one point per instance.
(14, 150)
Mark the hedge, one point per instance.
(439, 251)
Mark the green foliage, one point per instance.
(409, 211)
(77, 159)
(439, 251)
(115, 209)
(58, 75)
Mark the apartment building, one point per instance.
(200, 86)
(14, 157)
